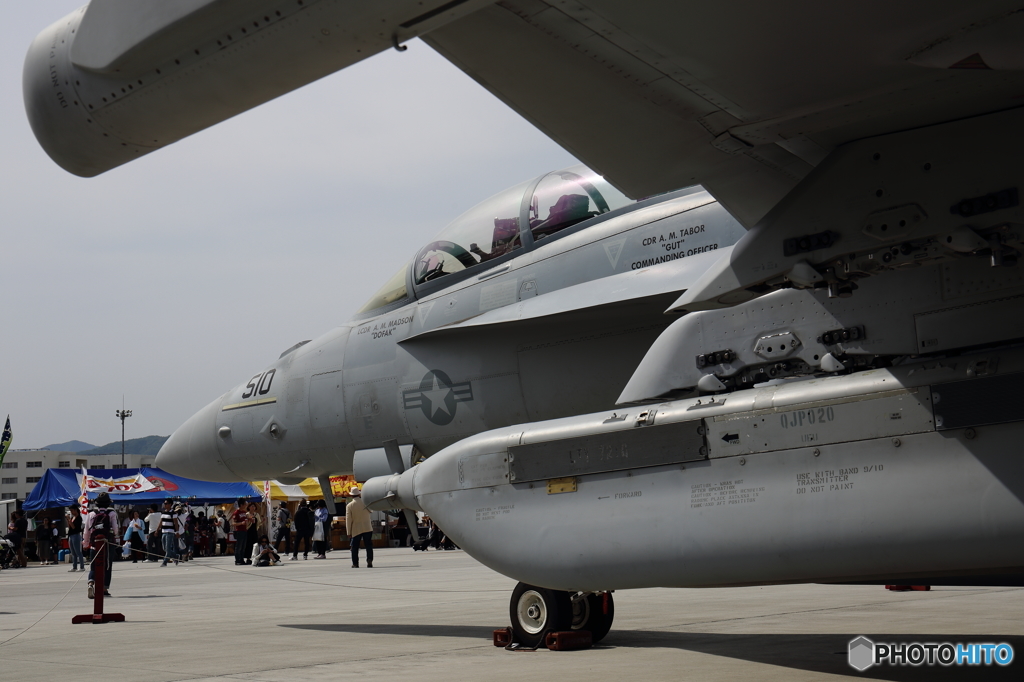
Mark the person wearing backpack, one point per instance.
(101, 528)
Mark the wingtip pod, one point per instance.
(60, 120)
(115, 80)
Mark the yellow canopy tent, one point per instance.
(309, 489)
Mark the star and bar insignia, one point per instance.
(437, 397)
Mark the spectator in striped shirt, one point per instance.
(170, 529)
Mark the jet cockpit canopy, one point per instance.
(518, 218)
(515, 219)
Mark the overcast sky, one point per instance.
(177, 276)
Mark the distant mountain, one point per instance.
(72, 446)
(148, 445)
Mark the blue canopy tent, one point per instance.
(60, 488)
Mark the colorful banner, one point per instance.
(341, 485)
(122, 485)
(309, 489)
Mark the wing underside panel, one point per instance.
(743, 98)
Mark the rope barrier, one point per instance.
(73, 586)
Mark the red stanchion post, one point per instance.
(99, 565)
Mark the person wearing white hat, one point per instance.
(357, 525)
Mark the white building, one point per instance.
(22, 469)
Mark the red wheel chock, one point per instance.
(569, 640)
(502, 637)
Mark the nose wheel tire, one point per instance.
(535, 611)
(594, 612)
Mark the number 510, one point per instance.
(260, 383)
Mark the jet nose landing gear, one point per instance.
(536, 611)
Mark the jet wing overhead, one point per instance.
(745, 98)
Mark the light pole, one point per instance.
(122, 415)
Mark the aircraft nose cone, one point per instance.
(191, 451)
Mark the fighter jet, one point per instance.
(831, 398)
(539, 302)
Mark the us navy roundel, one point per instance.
(438, 397)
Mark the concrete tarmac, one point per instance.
(428, 617)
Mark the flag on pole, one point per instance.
(266, 502)
(83, 497)
(5, 440)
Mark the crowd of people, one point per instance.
(174, 532)
(311, 529)
(139, 532)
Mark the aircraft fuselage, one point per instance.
(555, 331)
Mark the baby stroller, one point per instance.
(8, 555)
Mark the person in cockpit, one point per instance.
(506, 238)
